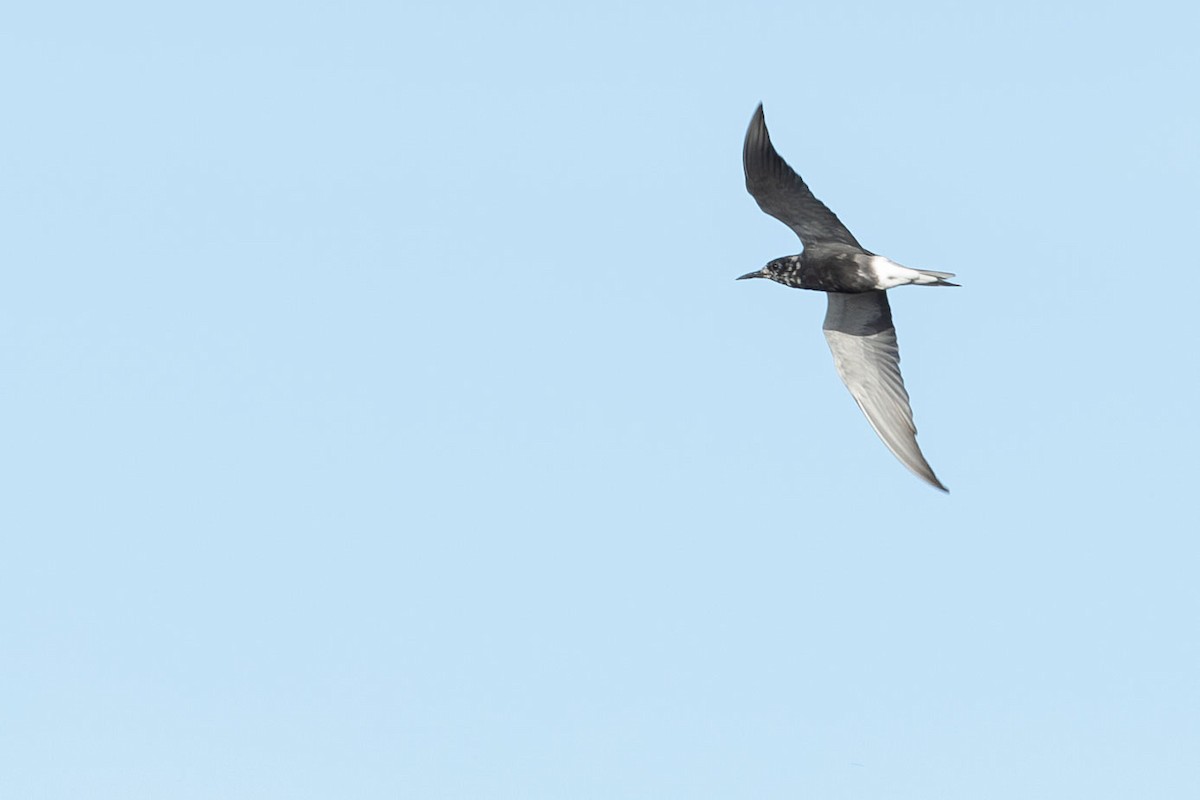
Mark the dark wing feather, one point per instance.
(862, 338)
(781, 193)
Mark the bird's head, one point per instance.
(782, 270)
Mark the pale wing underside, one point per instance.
(781, 193)
(862, 338)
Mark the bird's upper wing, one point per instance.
(781, 193)
(860, 333)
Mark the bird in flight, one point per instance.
(858, 323)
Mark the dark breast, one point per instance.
(836, 272)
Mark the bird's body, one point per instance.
(844, 268)
(858, 322)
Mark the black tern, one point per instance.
(858, 323)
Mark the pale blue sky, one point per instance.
(383, 419)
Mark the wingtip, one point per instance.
(759, 117)
(757, 147)
(925, 474)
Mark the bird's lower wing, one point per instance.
(862, 338)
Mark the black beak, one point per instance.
(755, 274)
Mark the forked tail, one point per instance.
(934, 278)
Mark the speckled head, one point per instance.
(784, 270)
